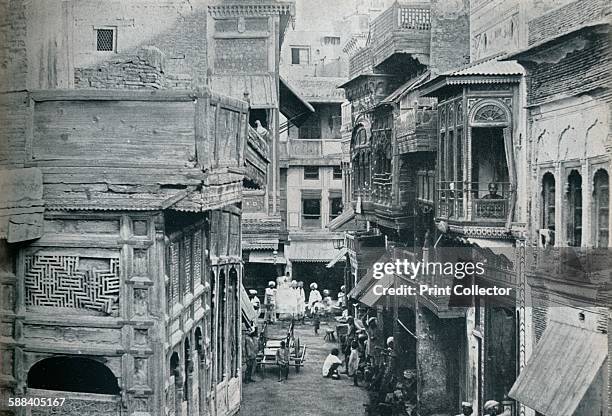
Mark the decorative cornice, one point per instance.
(236, 10)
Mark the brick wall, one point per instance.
(450, 35)
(146, 69)
(575, 66)
(564, 18)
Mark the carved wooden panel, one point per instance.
(187, 270)
(174, 273)
(72, 282)
(197, 257)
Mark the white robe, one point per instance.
(313, 299)
(301, 298)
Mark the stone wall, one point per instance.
(439, 353)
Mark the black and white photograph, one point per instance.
(305, 207)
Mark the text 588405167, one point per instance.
(36, 401)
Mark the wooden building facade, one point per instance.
(129, 295)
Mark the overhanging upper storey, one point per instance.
(137, 150)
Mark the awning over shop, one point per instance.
(366, 281)
(21, 204)
(369, 297)
(562, 368)
(266, 257)
(292, 105)
(261, 89)
(339, 257)
(497, 247)
(245, 303)
(316, 251)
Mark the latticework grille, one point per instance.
(105, 40)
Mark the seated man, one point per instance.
(493, 192)
(331, 364)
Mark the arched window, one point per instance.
(198, 342)
(548, 201)
(574, 217)
(601, 208)
(222, 319)
(74, 374)
(174, 364)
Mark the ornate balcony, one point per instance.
(401, 29)
(462, 204)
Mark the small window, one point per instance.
(300, 55)
(335, 207)
(331, 40)
(337, 172)
(311, 172)
(311, 212)
(105, 39)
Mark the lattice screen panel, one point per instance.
(70, 282)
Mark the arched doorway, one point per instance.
(74, 374)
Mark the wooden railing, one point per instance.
(303, 148)
(483, 205)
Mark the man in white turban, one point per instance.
(314, 299)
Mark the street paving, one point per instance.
(306, 393)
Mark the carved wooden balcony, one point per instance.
(402, 28)
(417, 131)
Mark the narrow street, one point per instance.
(306, 393)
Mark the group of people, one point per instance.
(490, 408)
(287, 297)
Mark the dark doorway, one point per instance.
(258, 114)
(75, 374)
(325, 278)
